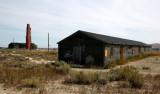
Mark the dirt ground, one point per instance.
(150, 65)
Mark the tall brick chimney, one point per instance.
(28, 37)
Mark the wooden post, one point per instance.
(48, 42)
(13, 40)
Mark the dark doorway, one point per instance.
(78, 52)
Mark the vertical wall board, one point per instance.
(150, 49)
(65, 52)
(107, 58)
(135, 51)
(142, 49)
(145, 49)
(115, 56)
(128, 51)
(94, 53)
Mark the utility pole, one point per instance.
(13, 40)
(48, 42)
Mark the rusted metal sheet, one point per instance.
(121, 52)
(139, 49)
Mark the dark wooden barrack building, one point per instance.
(84, 47)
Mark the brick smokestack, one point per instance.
(28, 37)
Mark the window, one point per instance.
(111, 51)
(144, 49)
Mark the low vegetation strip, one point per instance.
(17, 70)
(86, 77)
(14, 76)
(121, 74)
(128, 74)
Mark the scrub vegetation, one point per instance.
(25, 76)
(121, 74)
(16, 69)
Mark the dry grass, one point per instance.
(36, 54)
(13, 76)
(32, 82)
(62, 67)
(93, 90)
(16, 70)
(129, 75)
(87, 78)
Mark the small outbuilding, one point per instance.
(17, 46)
(84, 47)
(21, 46)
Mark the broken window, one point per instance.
(111, 51)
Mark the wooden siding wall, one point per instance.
(92, 50)
(65, 51)
(128, 51)
(83, 49)
(115, 56)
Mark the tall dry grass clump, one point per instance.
(32, 82)
(86, 77)
(17, 70)
(29, 74)
(129, 75)
(62, 67)
(157, 80)
(14, 76)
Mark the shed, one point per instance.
(84, 47)
(17, 46)
(21, 46)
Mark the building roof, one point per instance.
(18, 43)
(112, 40)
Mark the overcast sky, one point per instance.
(130, 19)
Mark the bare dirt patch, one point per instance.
(150, 65)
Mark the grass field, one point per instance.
(26, 72)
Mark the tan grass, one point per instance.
(32, 82)
(87, 78)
